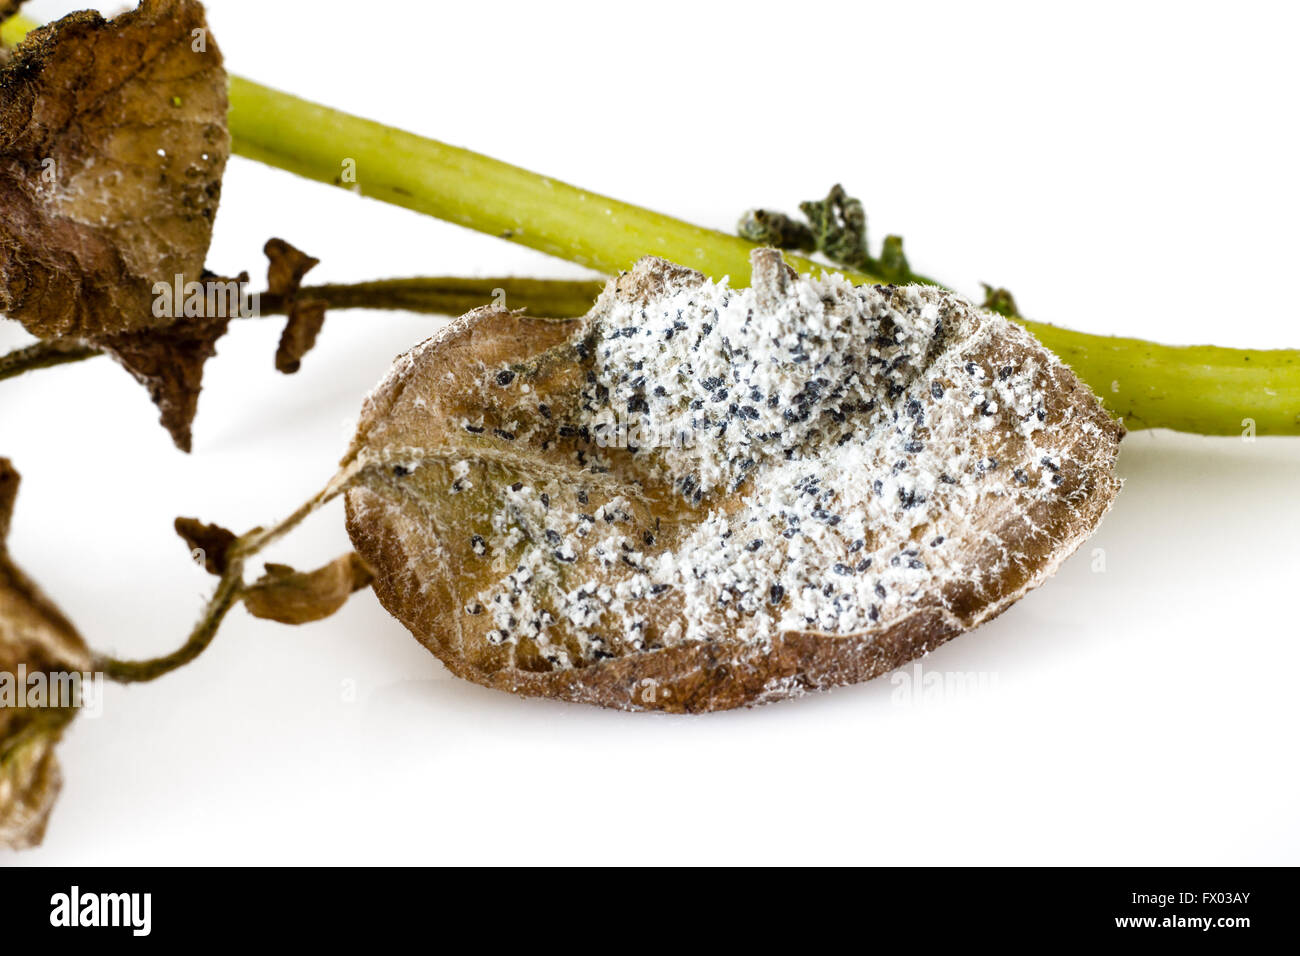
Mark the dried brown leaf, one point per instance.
(169, 363)
(306, 319)
(297, 597)
(286, 265)
(209, 543)
(869, 472)
(113, 142)
(112, 146)
(34, 637)
(29, 784)
(285, 269)
(32, 629)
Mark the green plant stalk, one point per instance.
(470, 189)
(13, 29)
(1204, 389)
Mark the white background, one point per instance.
(1123, 168)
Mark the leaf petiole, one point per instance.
(228, 591)
(431, 295)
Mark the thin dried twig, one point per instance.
(228, 589)
(43, 355)
(432, 295)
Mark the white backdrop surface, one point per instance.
(1124, 168)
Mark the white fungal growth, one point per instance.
(837, 451)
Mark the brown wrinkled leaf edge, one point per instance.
(169, 362)
(30, 779)
(282, 593)
(298, 597)
(286, 267)
(209, 543)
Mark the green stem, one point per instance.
(1204, 389)
(1201, 389)
(472, 190)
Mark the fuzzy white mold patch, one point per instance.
(834, 443)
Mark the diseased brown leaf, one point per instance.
(169, 363)
(112, 146)
(113, 143)
(284, 273)
(286, 265)
(297, 597)
(209, 543)
(306, 319)
(697, 498)
(34, 637)
(29, 784)
(32, 628)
